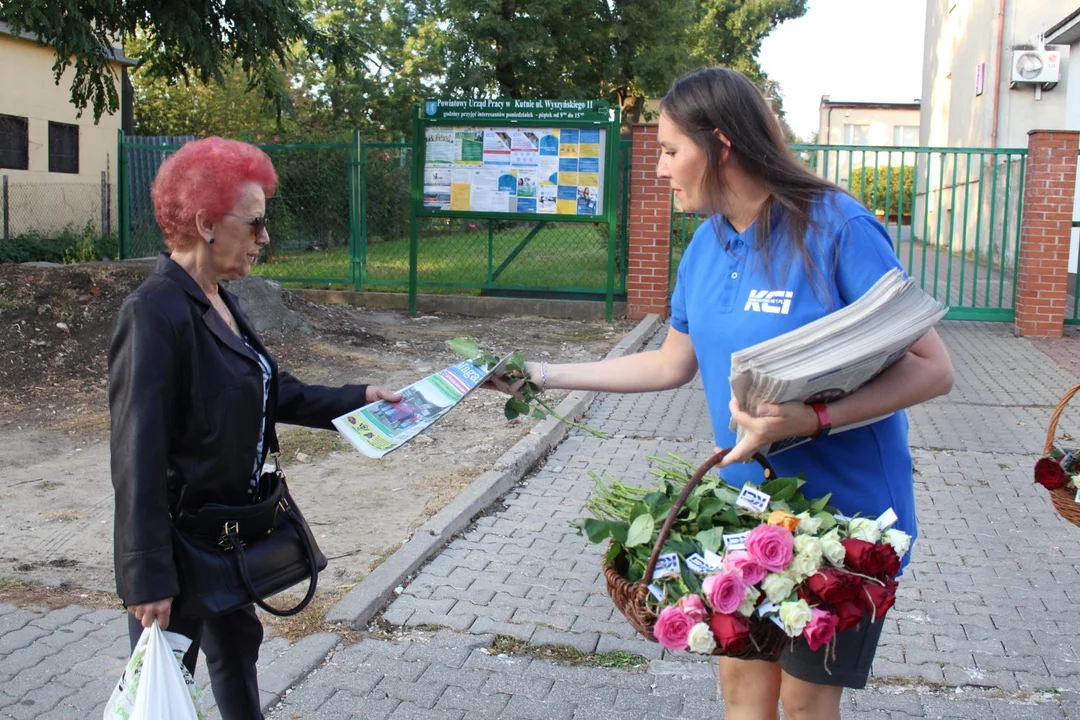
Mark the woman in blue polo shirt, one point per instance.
(783, 248)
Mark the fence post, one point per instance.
(7, 225)
(1046, 232)
(104, 205)
(649, 252)
(122, 239)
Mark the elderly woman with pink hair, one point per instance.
(195, 396)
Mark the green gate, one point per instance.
(953, 214)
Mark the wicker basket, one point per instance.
(767, 640)
(1064, 499)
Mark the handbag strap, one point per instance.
(237, 546)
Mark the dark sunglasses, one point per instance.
(257, 223)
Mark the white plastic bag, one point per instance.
(155, 684)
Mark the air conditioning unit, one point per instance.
(1040, 67)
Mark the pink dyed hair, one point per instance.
(205, 175)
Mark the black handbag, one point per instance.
(230, 556)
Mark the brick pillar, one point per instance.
(649, 261)
(1046, 232)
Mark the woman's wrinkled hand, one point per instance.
(374, 392)
(773, 422)
(147, 612)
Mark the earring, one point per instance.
(210, 241)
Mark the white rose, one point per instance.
(831, 548)
(807, 524)
(795, 615)
(802, 566)
(701, 639)
(750, 603)
(864, 529)
(899, 540)
(809, 546)
(777, 587)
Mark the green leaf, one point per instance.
(641, 531)
(726, 495)
(828, 522)
(820, 504)
(620, 531)
(465, 346)
(613, 552)
(539, 414)
(509, 410)
(777, 484)
(711, 539)
(688, 577)
(597, 530)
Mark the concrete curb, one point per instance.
(367, 598)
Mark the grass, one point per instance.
(23, 593)
(566, 655)
(568, 255)
(63, 515)
(6, 304)
(313, 443)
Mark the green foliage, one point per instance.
(866, 181)
(196, 39)
(69, 246)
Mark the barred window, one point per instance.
(63, 148)
(14, 143)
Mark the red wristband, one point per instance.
(824, 423)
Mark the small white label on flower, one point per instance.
(1077, 498)
(767, 606)
(779, 623)
(753, 500)
(700, 565)
(666, 566)
(736, 541)
(657, 592)
(841, 518)
(714, 560)
(887, 519)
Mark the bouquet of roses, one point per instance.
(736, 557)
(1059, 469)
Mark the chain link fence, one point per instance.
(58, 221)
(341, 218)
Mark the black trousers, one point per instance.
(231, 644)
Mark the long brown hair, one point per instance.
(718, 98)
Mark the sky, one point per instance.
(850, 50)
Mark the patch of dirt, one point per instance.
(55, 323)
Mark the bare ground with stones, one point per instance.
(56, 519)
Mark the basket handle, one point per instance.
(1052, 430)
(677, 507)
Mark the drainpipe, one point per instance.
(1000, 50)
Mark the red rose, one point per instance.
(878, 598)
(832, 587)
(732, 632)
(861, 556)
(1050, 474)
(886, 558)
(848, 614)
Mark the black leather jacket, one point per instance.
(186, 399)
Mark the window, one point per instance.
(63, 148)
(856, 134)
(14, 143)
(906, 136)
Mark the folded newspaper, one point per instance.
(837, 354)
(381, 427)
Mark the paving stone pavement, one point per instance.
(982, 627)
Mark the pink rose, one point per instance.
(725, 591)
(821, 628)
(673, 628)
(693, 607)
(740, 561)
(772, 546)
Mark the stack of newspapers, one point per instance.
(837, 354)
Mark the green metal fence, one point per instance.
(953, 214)
(340, 219)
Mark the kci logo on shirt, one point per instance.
(770, 301)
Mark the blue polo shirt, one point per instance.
(726, 301)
